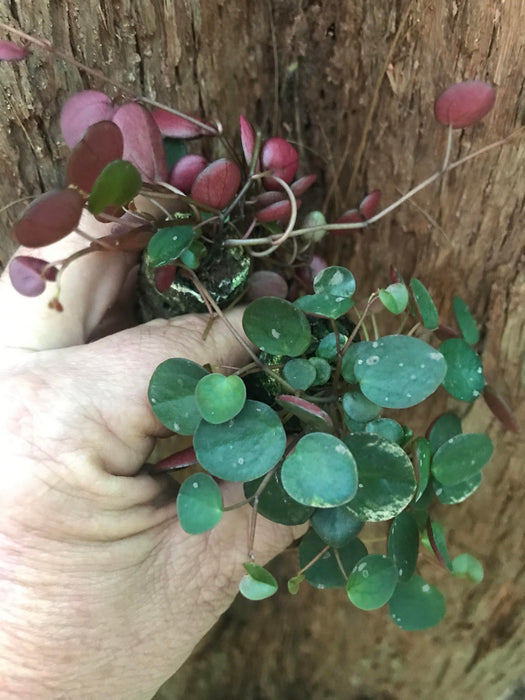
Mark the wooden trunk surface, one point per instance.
(311, 70)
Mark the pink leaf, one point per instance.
(305, 408)
(12, 52)
(185, 171)
(276, 212)
(266, 198)
(217, 184)
(247, 139)
(177, 127)
(465, 103)
(352, 216)
(49, 218)
(142, 141)
(178, 460)
(26, 277)
(369, 204)
(81, 111)
(281, 158)
(300, 186)
(306, 273)
(266, 283)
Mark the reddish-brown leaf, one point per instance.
(185, 171)
(500, 408)
(465, 103)
(279, 157)
(49, 218)
(369, 205)
(300, 186)
(275, 212)
(217, 184)
(178, 460)
(81, 111)
(143, 144)
(247, 139)
(352, 216)
(101, 144)
(177, 127)
(164, 276)
(266, 283)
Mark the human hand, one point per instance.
(102, 594)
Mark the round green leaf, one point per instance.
(336, 281)
(220, 398)
(321, 471)
(327, 348)
(422, 457)
(294, 583)
(447, 426)
(461, 458)
(399, 371)
(386, 427)
(171, 394)
(467, 566)
(299, 373)
(168, 243)
(464, 378)
(116, 185)
(324, 305)
(275, 504)
(372, 582)
(425, 304)
(403, 544)
(322, 370)
(258, 583)
(358, 407)
(245, 447)
(277, 326)
(386, 477)
(356, 351)
(199, 504)
(394, 297)
(326, 572)
(467, 324)
(457, 493)
(336, 526)
(193, 256)
(416, 605)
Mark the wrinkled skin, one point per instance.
(102, 595)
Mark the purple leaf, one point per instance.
(101, 144)
(247, 139)
(185, 171)
(266, 198)
(142, 142)
(300, 186)
(26, 277)
(352, 216)
(12, 52)
(281, 158)
(307, 273)
(177, 127)
(276, 212)
(369, 205)
(81, 111)
(266, 283)
(49, 218)
(217, 184)
(464, 104)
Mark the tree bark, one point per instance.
(353, 84)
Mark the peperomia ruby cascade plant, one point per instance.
(303, 425)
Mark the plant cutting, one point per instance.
(302, 425)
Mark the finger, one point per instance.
(89, 287)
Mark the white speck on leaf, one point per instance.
(359, 362)
(240, 460)
(425, 588)
(364, 573)
(195, 485)
(372, 360)
(361, 566)
(439, 492)
(435, 356)
(337, 278)
(401, 364)
(176, 427)
(422, 366)
(275, 333)
(341, 449)
(475, 393)
(375, 344)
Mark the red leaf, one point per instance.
(185, 171)
(12, 52)
(300, 186)
(130, 240)
(352, 216)
(25, 274)
(276, 212)
(307, 406)
(142, 141)
(446, 332)
(164, 276)
(465, 103)
(368, 206)
(247, 139)
(217, 184)
(266, 283)
(281, 158)
(81, 111)
(49, 218)
(500, 408)
(102, 144)
(178, 460)
(177, 127)
(266, 198)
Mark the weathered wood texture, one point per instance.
(217, 58)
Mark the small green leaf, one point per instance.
(416, 605)
(220, 398)
(326, 572)
(446, 426)
(245, 447)
(299, 373)
(277, 505)
(277, 326)
(403, 544)
(168, 243)
(199, 504)
(457, 493)
(438, 533)
(425, 304)
(461, 458)
(358, 407)
(467, 566)
(336, 526)
(394, 297)
(258, 583)
(324, 305)
(193, 256)
(399, 371)
(422, 457)
(171, 394)
(464, 378)
(355, 353)
(467, 324)
(116, 185)
(294, 583)
(335, 281)
(388, 428)
(327, 348)
(322, 370)
(321, 472)
(174, 150)
(386, 478)
(372, 582)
